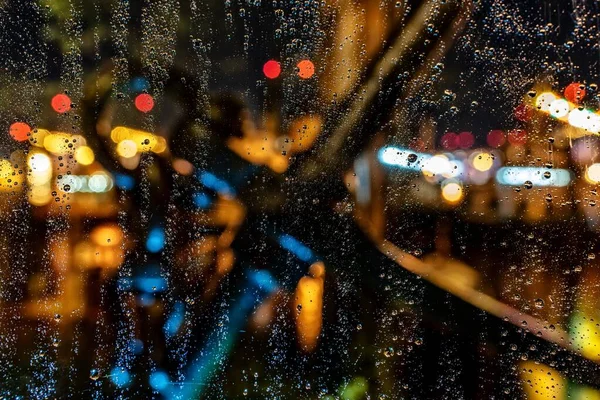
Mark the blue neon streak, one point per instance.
(221, 340)
(174, 320)
(297, 248)
(212, 182)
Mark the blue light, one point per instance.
(136, 346)
(146, 299)
(159, 380)
(120, 376)
(139, 84)
(202, 200)
(294, 246)
(124, 182)
(156, 239)
(212, 182)
(174, 320)
(150, 284)
(263, 280)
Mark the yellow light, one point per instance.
(437, 165)
(37, 137)
(559, 108)
(541, 382)
(452, 192)
(592, 173)
(544, 100)
(126, 148)
(483, 162)
(107, 235)
(84, 155)
(10, 179)
(40, 195)
(59, 143)
(144, 141)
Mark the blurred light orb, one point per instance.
(39, 162)
(99, 183)
(144, 102)
(306, 69)
(466, 140)
(579, 118)
(19, 131)
(559, 108)
(483, 162)
(437, 165)
(543, 101)
(61, 103)
(449, 141)
(126, 148)
(592, 174)
(272, 69)
(523, 112)
(575, 92)
(496, 138)
(84, 155)
(452, 192)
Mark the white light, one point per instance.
(592, 173)
(559, 108)
(437, 165)
(98, 183)
(403, 158)
(39, 162)
(517, 176)
(593, 123)
(579, 118)
(544, 100)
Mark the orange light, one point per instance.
(107, 235)
(306, 69)
(61, 103)
(84, 155)
(308, 307)
(19, 131)
(144, 102)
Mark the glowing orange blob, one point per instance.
(19, 131)
(306, 69)
(575, 92)
(272, 69)
(144, 102)
(61, 103)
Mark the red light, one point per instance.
(306, 69)
(517, 137)
(144, 102)
(61, 103)
(575, 92)
(496, 138)
(19, 131)
(465, 140)
(523, 112)
(272, 69)
(449, 141)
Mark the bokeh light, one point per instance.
(517, 137)
(575, 92)
(449, 141)
(144, 102)
(496, 138)
(452, 192)
(483, 161)
(61, 103)
(126, 148)
(306, 69)
(465, 140)
(84, 155)
(543, 101)
(592, 174)
(272, 69)
(559, 108)
(19, 131)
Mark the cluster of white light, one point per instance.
(518, 176)
(574, 115)
(99, 182)
(438, 165)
